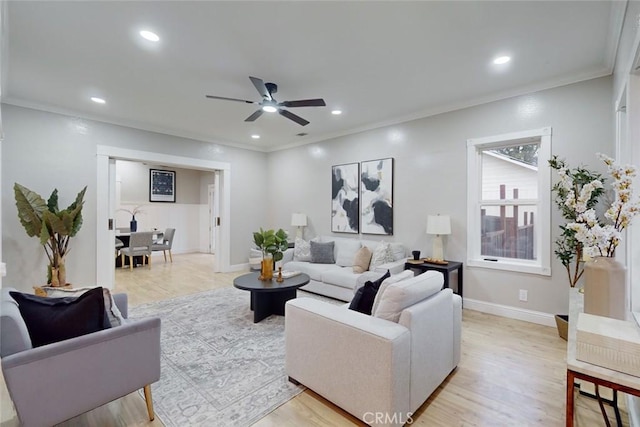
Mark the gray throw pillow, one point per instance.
(322, 252)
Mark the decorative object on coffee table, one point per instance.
(376, 192)
(52, 226)
(345, 200)
(272, 244)
(279, 279)
(416, 255)
(438, 225)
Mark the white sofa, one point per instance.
(338, 280)
(378, 370)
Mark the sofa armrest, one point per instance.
(394, 267)
(122, 302)
(334, 351)
(287, 255)
(79, 374)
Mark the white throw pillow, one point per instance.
(405, 293)
(406, 274)
(381, 255)
(110, 307)
(346, 250)
(398, 251)
(302, 250)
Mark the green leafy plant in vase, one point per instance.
(272, 244)
(52, 226)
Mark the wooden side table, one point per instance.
(445, 269)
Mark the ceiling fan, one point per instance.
(270, 105)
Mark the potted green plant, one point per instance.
(575, 187)
(272, 244)
(52, 226)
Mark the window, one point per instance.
(509, 192)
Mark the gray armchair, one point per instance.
(55, 382)
(166, 244)
(139, 245)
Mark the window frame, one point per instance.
(475, 146)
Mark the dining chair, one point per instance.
(166, 244)
(140, 244)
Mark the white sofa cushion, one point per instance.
(406, 274)
(398, 251)
(343, 277)
(314, 271)
(400, 295)
(346, 250)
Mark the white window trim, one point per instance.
(542, 264)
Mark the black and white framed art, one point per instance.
(376, 197)
(345, 203)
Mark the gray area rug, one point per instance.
(218, 367)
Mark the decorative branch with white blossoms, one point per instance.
(598, 238)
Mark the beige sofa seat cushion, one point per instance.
(400, 295)
(361, 260)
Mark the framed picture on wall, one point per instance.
(162, 186)
(345, 203)
(376, 197)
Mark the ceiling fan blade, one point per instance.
(254, 116)
(261, 87)
(289, 115)
(230, 99)
(304, 103)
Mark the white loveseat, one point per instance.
(378, 370)
(338, 280)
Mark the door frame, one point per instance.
(105, 274)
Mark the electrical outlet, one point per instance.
(523, 295)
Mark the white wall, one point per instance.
(44, 150)
(430, 177)
(188, 215)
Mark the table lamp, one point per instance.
(438, 225)
(299, 220)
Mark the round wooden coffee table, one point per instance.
(269, 296)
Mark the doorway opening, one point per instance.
(106, 190)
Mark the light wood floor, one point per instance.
(512, 373)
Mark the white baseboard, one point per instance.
(238, 267)
(510, 312)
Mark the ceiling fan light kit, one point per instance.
(270, 105)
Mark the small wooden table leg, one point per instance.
(570, 388)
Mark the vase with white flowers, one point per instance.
(604, 287)
(133, 224)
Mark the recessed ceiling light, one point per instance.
(501, 60)
(98, 100)
(336, 112)
(148, 35)
(255, 136)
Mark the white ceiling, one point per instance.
(380, 62)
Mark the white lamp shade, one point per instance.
(298, 220)
(438, 224)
